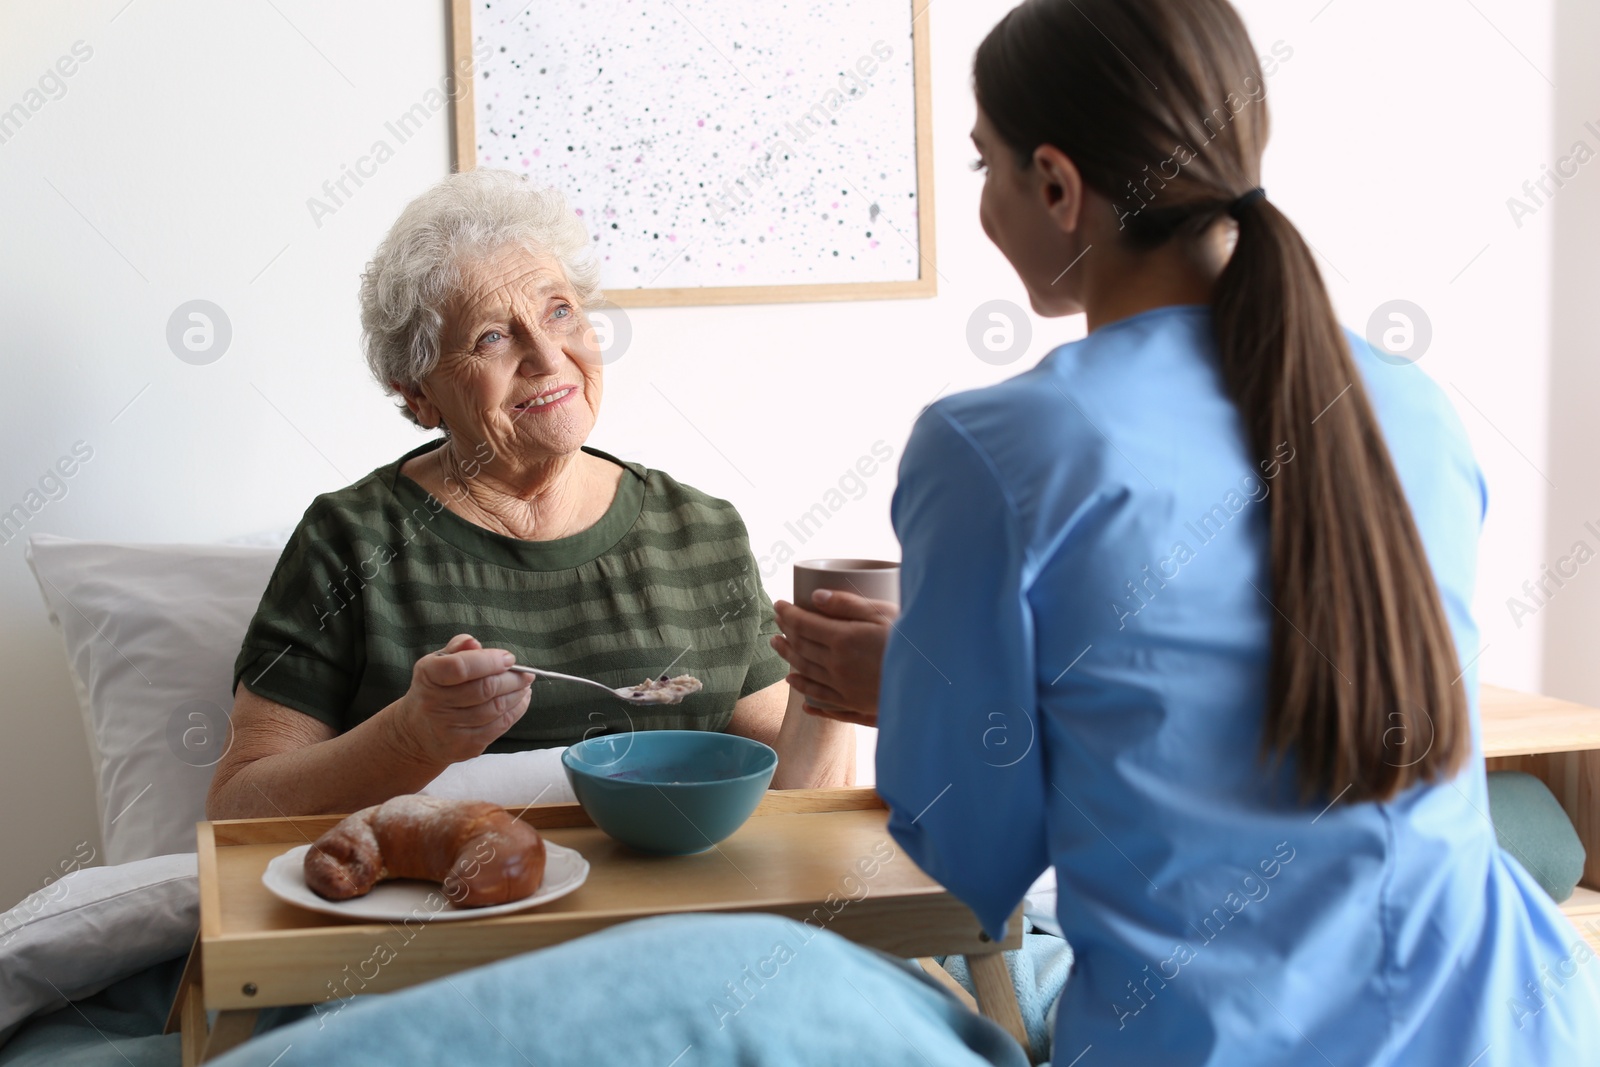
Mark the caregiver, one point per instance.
(1186, 606)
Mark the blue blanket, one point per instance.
(117, 1027)
(685, 990)
(682, 991)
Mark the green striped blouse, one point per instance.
(381, 573)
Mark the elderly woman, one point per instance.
(378, 656)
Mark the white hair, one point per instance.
(465, 217)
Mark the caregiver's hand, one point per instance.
(835, 651)
(461, 698)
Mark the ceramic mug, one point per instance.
(875, 579)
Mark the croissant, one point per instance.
(480, 852)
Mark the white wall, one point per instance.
(177, 166)
(1572, 619)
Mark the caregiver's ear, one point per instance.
(1059, 186)
(421, 407)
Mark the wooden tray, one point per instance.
(823, 857)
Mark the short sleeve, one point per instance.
(304, 647)
(767, 668)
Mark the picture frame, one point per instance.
(847, 242)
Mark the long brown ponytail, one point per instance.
(1161, 106)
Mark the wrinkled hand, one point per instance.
(461, 698)
(835, 652)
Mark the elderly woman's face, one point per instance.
(518, 365)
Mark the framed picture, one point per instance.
(719, 153)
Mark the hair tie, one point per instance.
(1237, 208)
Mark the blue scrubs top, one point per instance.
(1078, 679)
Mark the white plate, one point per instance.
(402, 899)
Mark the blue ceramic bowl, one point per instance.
(670, 792)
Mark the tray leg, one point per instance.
(931, 967)
(189, 977)
(231, 1029)
(997, 997)
(192, 1013)
(188, 1013)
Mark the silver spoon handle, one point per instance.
(540, 672)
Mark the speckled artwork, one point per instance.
(712, 143)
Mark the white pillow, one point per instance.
(151, 633)
(93, 927)
(510, 779)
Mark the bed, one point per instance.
(90, 963)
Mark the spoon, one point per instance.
(662, 690)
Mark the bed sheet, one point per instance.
(120, 1026)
